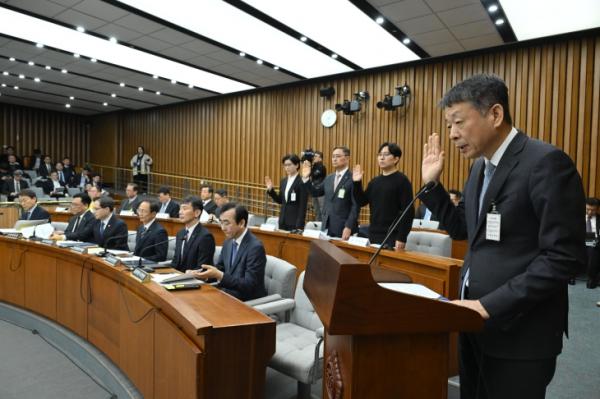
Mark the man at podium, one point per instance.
(522, 214)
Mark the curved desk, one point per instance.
(186, 344)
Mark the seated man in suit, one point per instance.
(31, 210)
(206, 194)
(132, 201)
(109, 231)
(13, 187)
(240, 269)
(194, 245)
(221, 199)
(53, 186)
(83, 179)
(46, 167)
(151, 240)
(81, 223)
(68, 172)
(167, 205)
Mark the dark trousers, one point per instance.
(142, 181)
(486, 377)
(593, 264)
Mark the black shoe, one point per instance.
(591, 284)
(571, 281)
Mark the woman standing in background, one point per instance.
(141, 163)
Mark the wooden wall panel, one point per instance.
(554, 94)
(55, 133)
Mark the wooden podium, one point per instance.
(379, 343)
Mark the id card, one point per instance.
(341, 193)
(492, 226)
(293, 196)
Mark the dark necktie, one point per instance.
(76, 223)
(61, 177)
(234, 249)
(102, 227)
(183, 244)
(588, 225)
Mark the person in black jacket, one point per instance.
(167, 205)
(194, 245)
(81, 223)
(151, 239)
(109, 231)
(12, 187)
(292, 195)
(318, 172)
(31, 209)
(206, 194)
(387, 195)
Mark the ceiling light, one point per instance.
(499, 21)
(11, 59)
(63, 71)
(48, 67)
(303, 38)
(406, 40)
(122, 84)
(528, 20)
(302, 16)
(259, 62)
(113, 95)
(113, 40)
(80, 29)
(21, 76)
(76, 55)
(191, 86)
(5, 73)
(68, 105)
(242, 54)
(493, 8)
(37, 80)
(334, 55)
(259, 38)
(154, 76)
(173, 81)
(3, 84)
(276, 68)
(39, 45)
(140, 88)
(105, 104)
(31, 63)
(25, 27)
(93, 60)
(16, 87)
(71, 98)
(158, 93)
(380, 20)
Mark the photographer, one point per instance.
(317, 177)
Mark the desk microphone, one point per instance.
(150, 246)
(110, 239)
(426, 188)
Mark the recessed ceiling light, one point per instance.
(64, 71)
(31, 63)
(380, 20)
(113, 95)
(242, 54)
(191, 86)
(39, 45)
(499, 21)
(37, 80)
(16, 87)
(276, 67)
(140, 88)
(76, 55)
(113, 40)
(93, 60)
(158, 93)
(303, 38)
(48, 67)
(68, 105)
(11, 59)
(154, 76)
(334, 55)
(173, 81)
(105, 104)
(80, 29)
(406, 40)
(3, 84)
(21, 76)
(493, 8)
(122, 84)
(71, 98)
(259, 62)
(5, 73)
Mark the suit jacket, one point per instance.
(211, 207)
(521, 280)
(76, 180)
(9, 186)
(115, 228)
(245, 278)
(155, 234)
(339, 211)
(420, 213)
(128, 205)
(69, 174)
(38, 213)
(48, 186)
(172, 209)
(44, 171)
(84, 230)
(292, 213)
(199, 249)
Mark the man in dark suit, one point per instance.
(31, 209)
(151, 240)
(221, 198)
(53, 186)
(240, 269)
(340, 210)
(194, 245)
(592, 230)
(68, 172)
(109, 231)
(132, 201)
(206, 194)
(46, 167)
(83, 179)
(12, 187)
(292, 195)
(167, 205)
(523, 217)
(81, 223)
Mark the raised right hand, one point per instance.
(433, 159)
(268, 183)
(306, 169)
(357, 173)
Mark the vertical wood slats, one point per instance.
(554, 95)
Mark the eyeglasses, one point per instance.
(384, 154)
(288, 164)
(336, 156)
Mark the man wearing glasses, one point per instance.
(80, 224)
(387, 195)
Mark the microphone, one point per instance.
(426, 188)
(150, 246)
(110, 239)
(34, 237)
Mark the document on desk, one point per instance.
(412, 289)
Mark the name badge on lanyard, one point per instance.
(293, 196)
(492, 224)
(341, 193)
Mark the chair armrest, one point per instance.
(320, 332)
(282, 305)
(264, 299)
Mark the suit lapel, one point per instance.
(343, 179)
(240, 252)
(189, 243)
